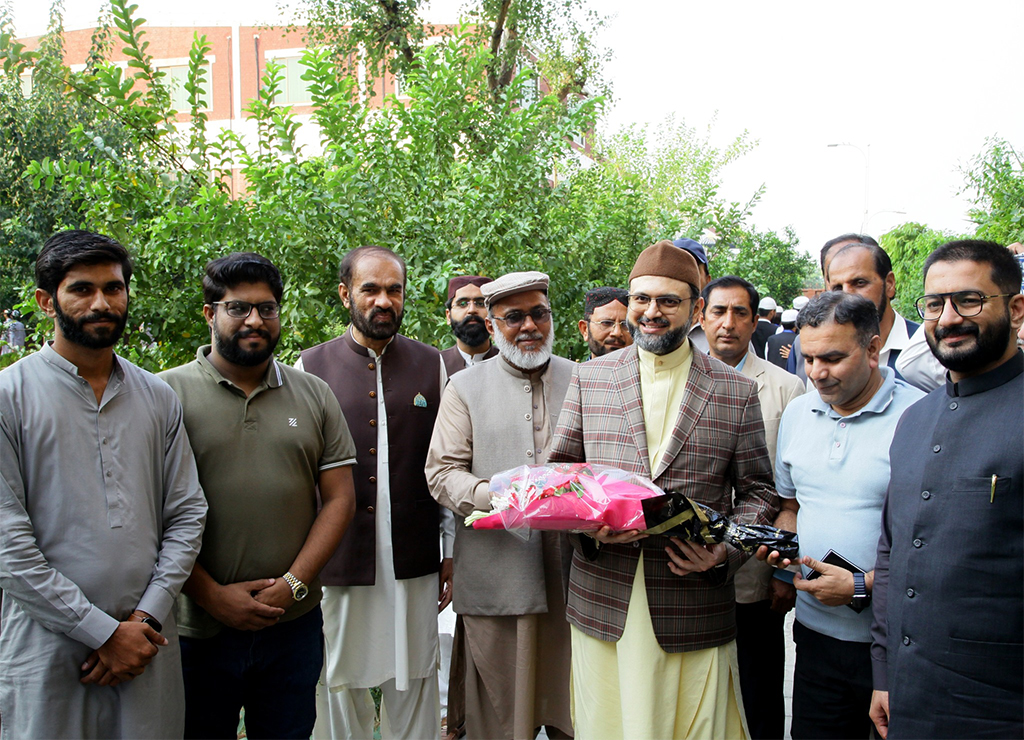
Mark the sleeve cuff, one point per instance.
(482, 495)
(879, 675)
(156, 602)
(95, 628)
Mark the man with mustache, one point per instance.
(866, 270)
(831, 470)
(949, 578)
(652, 618)
(729, 318)
(464, 311)
(508, 592)
(267, 438)
(603, 325)
(102, 516)
(383, 584)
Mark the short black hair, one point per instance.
(236, 268)
(1006, 271)
(841, 308)
(883, 265)
(349, 261)
(731, 281)
(856, 238)
(67, 249)
(597, 297)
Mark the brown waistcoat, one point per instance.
(453, 361)
(410, 376)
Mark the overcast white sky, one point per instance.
(916, 85)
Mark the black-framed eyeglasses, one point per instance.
(609, 324)
(667, 304)
(515, 319)
(242, 309)
(478, 302)
(967, 303)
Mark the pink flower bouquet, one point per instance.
(567, 496)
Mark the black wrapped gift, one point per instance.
(675, 514)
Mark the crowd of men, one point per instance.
(238, 534)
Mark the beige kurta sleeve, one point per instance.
(450, 459)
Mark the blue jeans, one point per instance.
(271, 672)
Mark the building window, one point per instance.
(176, 77)
(531, 85)
(26, 84)
(294, 89)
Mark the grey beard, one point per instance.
(523, 360)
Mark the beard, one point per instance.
(471, 331)
(377, 329)
(74, 330)
(230, 348)
(988, 347)
(520, 359)
(597, 349)
(659, 344)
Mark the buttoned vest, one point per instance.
(410, 376)
(454, 361)
(496, 572)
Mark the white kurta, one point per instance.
(388, 630)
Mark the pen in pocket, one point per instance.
(992, 494)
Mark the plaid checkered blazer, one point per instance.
(717, 447)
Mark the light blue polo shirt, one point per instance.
(837, 469)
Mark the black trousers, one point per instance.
(831, 687)
(761, 652)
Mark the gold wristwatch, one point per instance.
(299, 589)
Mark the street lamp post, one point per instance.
(867, 177)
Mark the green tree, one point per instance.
(41, 106)
(908, 245)
(771, 262)
(996, 180)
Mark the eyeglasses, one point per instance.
(967, 303)
(478, 302)
(667, 304)
(242, 309)
(515, 319)
(608, 324)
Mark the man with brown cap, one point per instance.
(653, 624)
(509, 592)
(464, 311)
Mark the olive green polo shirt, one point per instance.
(259, 459)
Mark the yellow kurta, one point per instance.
(633, 688)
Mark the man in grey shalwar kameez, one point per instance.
(102, 517)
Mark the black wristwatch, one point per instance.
(861, 598)
(151, 621)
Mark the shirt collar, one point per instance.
(54, 358)
(987, 381)
(898, 337)
(273, 378)
(876, 405)
(366, 350)
(743, 362)
(672, 360)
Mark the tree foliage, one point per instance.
(556, 37)
(996, 180)
(771, 262)
(460, 178)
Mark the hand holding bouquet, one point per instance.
(582, 497)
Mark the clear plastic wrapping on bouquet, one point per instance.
(565, 496)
